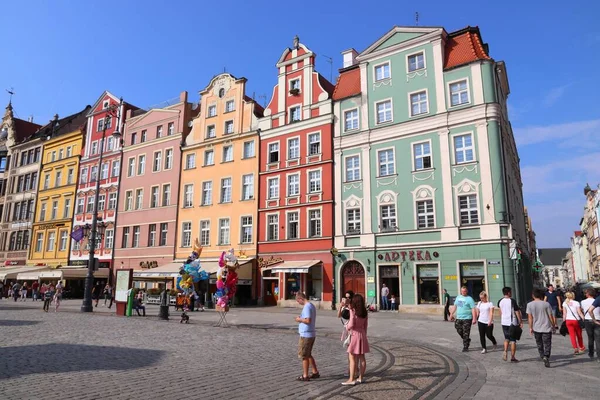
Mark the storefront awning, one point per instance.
(298, 267)
(13, 272)
(72, 272)
(170, 270)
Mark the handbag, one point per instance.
(346, 342)
(563, 329)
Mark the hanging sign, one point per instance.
(411, 255)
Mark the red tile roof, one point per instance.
(463, 47)
(348, 83)
(24, 129)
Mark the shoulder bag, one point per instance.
(581, 323)
(515, 331)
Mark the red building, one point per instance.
(296, 184)
(108, 173)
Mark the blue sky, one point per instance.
(60, 55)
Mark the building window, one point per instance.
(154, 197)
(273, 227)
(152, 235)
(104, 171)
(206, 193)
(384, 111)
(248, 187)
(109, 143)
(136, 236)
(386, 162)
(84, 175)
(228, 127)
(94, 174)
(273, 184)
(130, 167)
(94, 147)
(468, 210)
(112, 201)
(60, 154)
(125, 239)
(80, 205)
(249, 149)
(351, 120)
(157, 163)
(133, 138)
(295, 114)
(314, 144)
(293, 148)
(459, 93)
(67, 208)
(51, 241)
(46, 182)
(293, 185)
(352, 168)
(128, 200)
(186, 234)
(293, 230)
(109, 238)
(224, 236)
(246, 229)
(273, 153)
(204, 233)
(295, 84)
(188, 196)
(164, 230)
(388, 218)
(166, 195)
(100, 124)
(418, 103)
(382, 72)
(227, 153)
(116, 168)
(54, 212)
(422, 155)
(229, 106)
(64, 235)
(353, 221)
(314, 220)
(170, 129)
(39, 241)
(139, 199)
(212, 111)
(90, 204)
(101, 202)
(69, 151)
(226, 190)
(210, 132)
(416, 62)
(144, 136)
(58, 179)
(159, 131)
(168, 158)
(190, 161)
(314, 181)
(141, 164)
(425, 215)
(209, 157)
(463, 148)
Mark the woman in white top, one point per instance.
(572, 315)
(485, 320)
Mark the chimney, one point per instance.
(349, 57)
(128, 113)
(183, 96)
(30, 118)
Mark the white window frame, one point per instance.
(310, 220)
(293, 143)
(224, 228)
(131, 170)
(116, 168)
(207, 193)
(229, 127)
(318, 183)
(391, 102)
(206, 156)
(152, 235)
(94, 148)
(168, 158)
(465, 148)
(352, 120)
(253, 147)
(382, 65)
(228, 149)
(296, 184)
(211, 132)
(309, 143)
(289, 222)
(248, 187)
(101, 202)
(129, 200)
(51, 242)
(154, 196)
(170, 129)
(426, 214)
(112, 201)
(227, 103)
(469, 210)
(353, 170)
(270, 224)
(159, 131)
(139, 199)
(393, 162)
(205, 230)
(410, 103)
(392, 225)
(190, 161)
(137, 233)
(273, 188)
(211, 110)
(291, 113)
(39, 242)
(270, 151)
(162, 195)
(226, 190)
(290, 84)
(163, 233)
(246, 229)
(423, 156)
(467, 91)
(157, 161)
(356, 221)
(408, 56)
(186, 234)
(109, 238)
(141, 164)
(188, 195)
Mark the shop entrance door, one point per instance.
(353, 278)
(271, 291)
(388, 274)
(475, 285)
(428, 286)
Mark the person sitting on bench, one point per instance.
(138, 305)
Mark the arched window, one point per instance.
(353, 278)
(221, 93)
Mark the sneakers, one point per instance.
(546, 362)
(505, 356)
(483, 351)
(514, 360)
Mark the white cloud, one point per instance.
(579, 131)
(554, 95)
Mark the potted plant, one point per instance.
(294, 91)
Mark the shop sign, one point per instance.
(472, 270)
(450, 277)
(266, 262)
(428, 272)
(371, 279)
(411, 255)
(494, 262)
(9, 263)
(49, 226)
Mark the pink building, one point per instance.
(149, 188)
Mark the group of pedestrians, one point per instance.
(51, 293)
(541, 315)
(21, 291)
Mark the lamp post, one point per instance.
(93, 230)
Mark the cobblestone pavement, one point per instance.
(413, 356)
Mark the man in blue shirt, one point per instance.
(554, 299)
(306, 328)
(464, 316)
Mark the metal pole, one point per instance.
(89, 279)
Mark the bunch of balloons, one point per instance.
(227, 278)
(190, 271)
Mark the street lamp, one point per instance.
(96, 231)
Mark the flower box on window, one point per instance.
(294, 91)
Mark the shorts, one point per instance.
(506, 331)
(305, 346)
(554, 308)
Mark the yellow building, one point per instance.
(55, 202)
(218, 190)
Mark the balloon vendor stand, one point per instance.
(222, 311)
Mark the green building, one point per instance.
(428, 184)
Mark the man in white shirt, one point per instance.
(511, 320)
(385, 292)
(591, 327)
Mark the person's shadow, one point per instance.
(63, 357)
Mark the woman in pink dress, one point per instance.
(359, 344)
